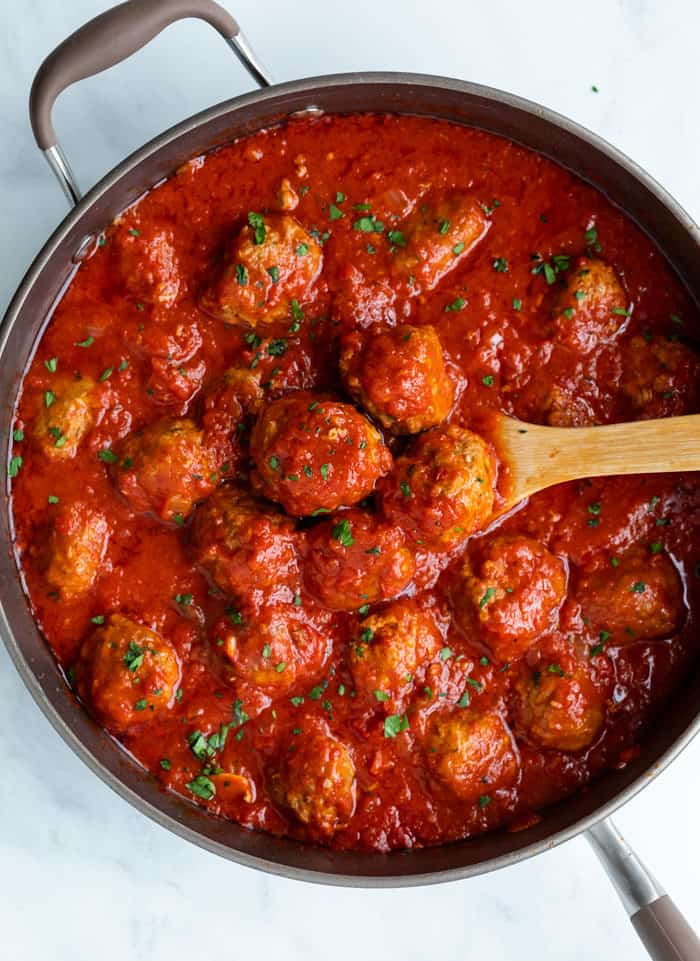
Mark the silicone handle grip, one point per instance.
(106, 40)
(665, 933)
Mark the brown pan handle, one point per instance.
(663, 930)
(105, 41)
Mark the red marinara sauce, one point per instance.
(245, 483)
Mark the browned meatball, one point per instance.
(275, 649)
(399, 377)
(243, 545)
(317, 781)
(314, 454)
(558, 706)
(660, 377)
(77, 546)
(148, 262)
(640, 599)
(356, 558)
(442, 489)
(63, 423)
(127, 673)
(389, 647)
(509, 593)
(592, 308)
(272, 263)
(437, 236)
(165, 469)
(472, 754)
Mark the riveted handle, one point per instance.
(105, 41)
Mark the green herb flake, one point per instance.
(395, 724)
(459, 303)
(51, 364)
(202, 786)
(500, 265)
(342, 532)
(517, 303)
(88, 342)
(165, 763)
(241, 275)
(487, 381)
(106, 456)
(381, 695)
(488, 595)
(257, 223)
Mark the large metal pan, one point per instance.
(103, 42)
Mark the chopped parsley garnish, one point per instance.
(165, 763)
(464, 699)
(457, 304)
(257, 223)
(105, 374)
(443, 227)
(88, 342)
(517, 303)
(141, 705)
(396, 238)
(343, 533)
(500, 265)
(274, 273)
(487, 381)
(241, 274)
(134, 656)
(302, 250)
(49, 398)
(98, 619)
(395, 724)
(368, 225)
(183, 599)
(446, 653)
(484, 801)
(274, 462)
(15, 466)
(107, 456)
(334, 212)
(638, 587)
(381, 695)
(324, 471)
(51, 364)
(18, 434)
(489, 210)
(488, 595)
(52, 499)
(277, 347)
(202, 786)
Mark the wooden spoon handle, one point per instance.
(538, 457)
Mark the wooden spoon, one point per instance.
(537, 457)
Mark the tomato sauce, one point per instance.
(514, 688)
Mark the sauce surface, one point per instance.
(240, 497)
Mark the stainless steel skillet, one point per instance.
(105, 41)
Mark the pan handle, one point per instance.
(663, 930)
(108, 39)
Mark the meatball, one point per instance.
(509, 593)
(399, 377)
(165, 468)
(558, 706)
(472, 754)
(318, 781)
(148, 263)
(127, 673)
(442, 489)
(272, 263)
(77, 546)
(273, 650)
(592, 308)
(60, 427)
(437, 237)
(314, 454)
(242, 545)
(356, 558)
(389, 647)
(640, 599)
(660, 377)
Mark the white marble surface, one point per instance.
(81, 873)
